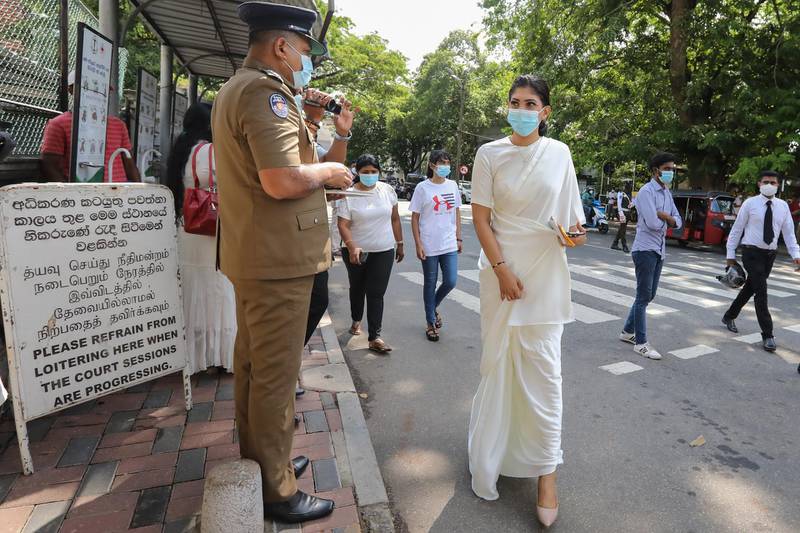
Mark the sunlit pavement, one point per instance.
(628, 421)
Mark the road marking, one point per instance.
(465, 299)
(707, 277)
(700, 265)
(623, 367)
(681, 282)
(631, 284)
(693, 351)
(584, 314)
(749, 339)
(587, 315)
(617, 298)
(795, 328)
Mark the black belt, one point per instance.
(757, 249)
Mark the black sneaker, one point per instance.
(615, 246)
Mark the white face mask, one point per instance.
(769, 190)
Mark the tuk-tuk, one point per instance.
(707, 217)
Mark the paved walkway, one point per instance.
(136, 460)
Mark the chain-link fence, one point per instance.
(29, 65)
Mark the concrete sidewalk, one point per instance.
(137, 460)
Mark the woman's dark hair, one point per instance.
(196, 128)
(365, 160)
(437, 156)
(539, 86)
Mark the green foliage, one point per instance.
(620, 90)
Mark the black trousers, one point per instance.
(621, 233)
(758, 264)
(369, 281)
(319, 303)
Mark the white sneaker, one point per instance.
(645, 350)
(630, 338)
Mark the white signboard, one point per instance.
(179, 107)
(91, 292)
(92, 76)
(146, 99)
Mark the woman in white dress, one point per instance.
(209, 304)
(519, 185)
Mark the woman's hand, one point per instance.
(420, 253)
(511, 287)
(355, 255)
(399, 253)
(580, 240)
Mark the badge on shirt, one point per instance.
(279, 106)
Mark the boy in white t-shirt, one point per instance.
(436, 224)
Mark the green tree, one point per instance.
(716, 82)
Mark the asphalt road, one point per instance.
(629, 466)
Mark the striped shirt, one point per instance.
(57, 140)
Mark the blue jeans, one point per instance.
(648, 271)
(430, 269)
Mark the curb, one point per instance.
(355, 455)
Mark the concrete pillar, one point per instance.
(193, 89)
(165, 107)
(109, 26)
(232, 498)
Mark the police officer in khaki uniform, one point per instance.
(273, 238)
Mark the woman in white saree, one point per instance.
(519, 184)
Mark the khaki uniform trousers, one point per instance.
(271, 318)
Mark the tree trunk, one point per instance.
(679, 13)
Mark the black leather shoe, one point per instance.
(730, 324)
(299, 392)
(300, 463)
(615, 246)
(296, 420)
(769, 344)
(625, 248)
(301, 507)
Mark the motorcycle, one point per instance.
(598, 219)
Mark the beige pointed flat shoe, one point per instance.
(547, 516)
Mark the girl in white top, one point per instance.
(209, 304)
(519, 184)
(371, 229)
(436, 224)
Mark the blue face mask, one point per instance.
(442, 170)
(368, 180)
(667, 176)
(522, 121)
(302, 77)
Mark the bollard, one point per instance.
(232, 499)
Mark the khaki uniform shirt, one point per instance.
(256, 125)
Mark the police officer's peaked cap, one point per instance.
(261, 16)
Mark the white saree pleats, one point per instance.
(515, 427)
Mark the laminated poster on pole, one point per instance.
(146, 109)
(90, 110)
(91, 294)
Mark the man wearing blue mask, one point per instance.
(657, 212)
(273, 239)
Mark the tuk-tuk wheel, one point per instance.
(683, 244)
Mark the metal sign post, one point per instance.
(91, 294)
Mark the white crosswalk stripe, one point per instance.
(473, 303)
(749, 339)
(681, 282)
(584, 314)
(795, 328)
(623, 367)
(599, 275)
(710, 278)
(774, 280)
(617, 298)
(693, 351)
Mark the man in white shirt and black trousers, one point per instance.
(760, 221)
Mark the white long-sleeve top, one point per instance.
(749, 226)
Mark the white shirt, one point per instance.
(437, 205)
(370, 218)
(749, 226)
(202, 167)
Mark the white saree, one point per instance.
(515, 425)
